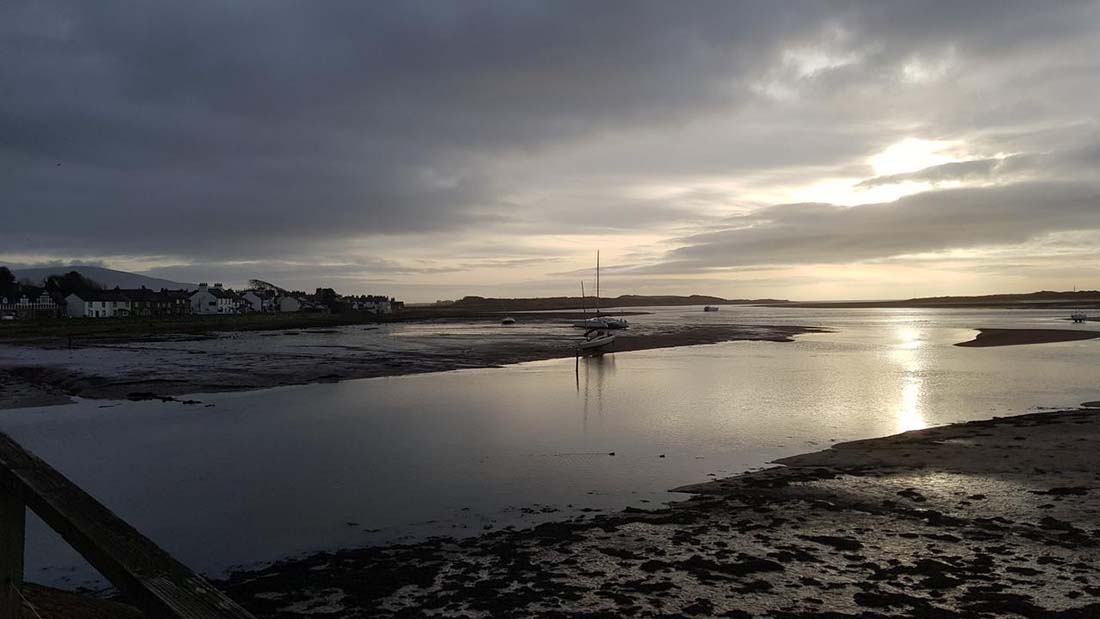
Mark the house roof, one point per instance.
(102, 295)
(219, 293)
(146, 294)
(132, 294)
(263, 294)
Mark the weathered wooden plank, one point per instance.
(50, 603)
(147, 575)
(13, 519)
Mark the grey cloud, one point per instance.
(231, 130)
(354, 275)
(956, 171)
(927, 222)
(257, 130)
(16, 266)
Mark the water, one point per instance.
(262, 475)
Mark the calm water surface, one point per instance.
(262, 475)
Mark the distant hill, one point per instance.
(108, 278)
(1042, 295)
(627, 300)
(1043, 299)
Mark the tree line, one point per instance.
(58, 285)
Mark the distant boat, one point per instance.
(1079, 316)
(602, 322)
(710, 308)
(616, 323)
(592, 323)
(598, 321)
(508, 321)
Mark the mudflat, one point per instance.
(997, 518)
(172, 365)
(1018, 337)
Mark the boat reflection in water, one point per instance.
(596, 370)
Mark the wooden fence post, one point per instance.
(13, 519)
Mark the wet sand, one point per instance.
(997, 518)
(20, 388)
(1017, 337)
(40, 377)
(975, 520)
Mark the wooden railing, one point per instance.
(146, 575)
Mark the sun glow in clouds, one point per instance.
(908, 155)
(846, 192)
(911, 155)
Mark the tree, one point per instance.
(7, 283)
(326, 295)
(71, 282)
(259, 284)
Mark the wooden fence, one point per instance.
(146, 575)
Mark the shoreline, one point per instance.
(1022, 302)
(970, 520)
(177, 372)
(61, 333)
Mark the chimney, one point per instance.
(202, 286)
(218, 285)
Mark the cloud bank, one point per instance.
(382, 141)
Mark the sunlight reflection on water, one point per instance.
(909, 356)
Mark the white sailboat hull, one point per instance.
(591, 323)
(603, 322)
(597, 342)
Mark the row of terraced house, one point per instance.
(144, 302)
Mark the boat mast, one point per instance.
(584, 308)
(597, 282)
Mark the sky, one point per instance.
(431, 150)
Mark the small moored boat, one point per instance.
(596, 340)
(508, 321)
(591, 323)
(710, 308)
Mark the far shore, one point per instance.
(1067, 306)
(60, 333)
(172, 372)
(1067, 301)
(976, 520)
(1018, 337)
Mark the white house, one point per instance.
(260, 301)
(289, 304)
(97, 304)
(373, 304)
(214, 300)
(270, 301)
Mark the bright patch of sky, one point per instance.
(913, 154)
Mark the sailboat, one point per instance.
(599, 321)
(597, 336)
(596, 339)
